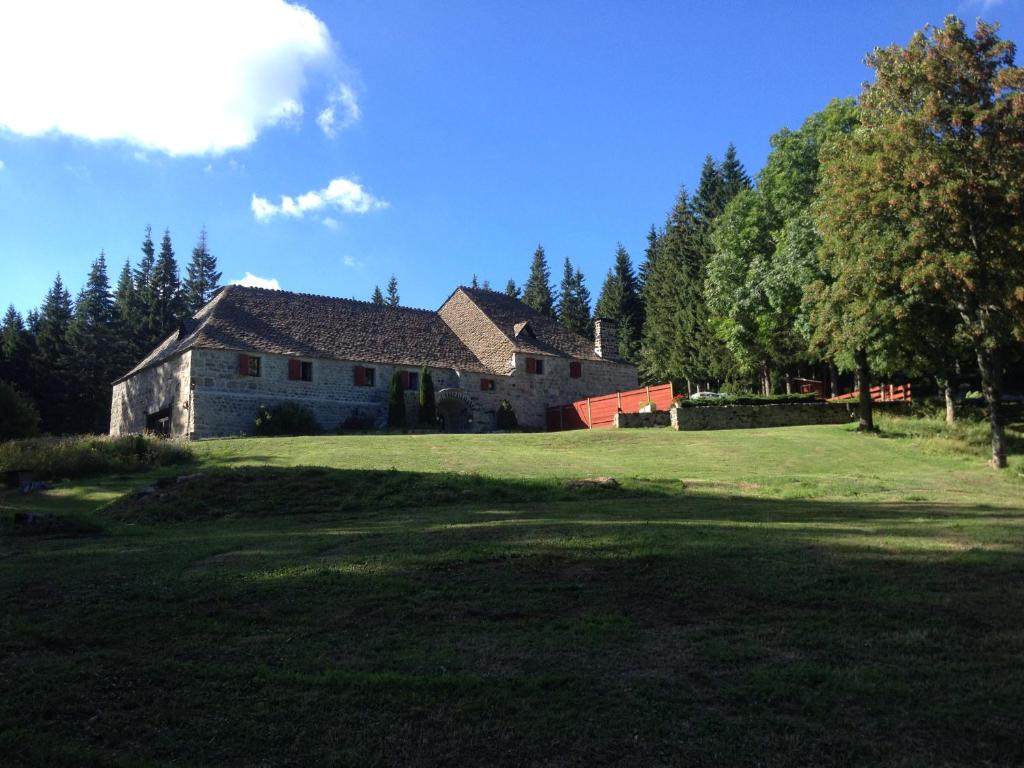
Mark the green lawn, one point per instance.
(801, 596)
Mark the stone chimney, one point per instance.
(606, 344)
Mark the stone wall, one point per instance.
(754, 416)
(162, 386)
(210, 398)
(637, 420)
(226, 402)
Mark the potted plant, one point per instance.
(647, 407)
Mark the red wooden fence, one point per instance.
(599, 412)
(882, 393)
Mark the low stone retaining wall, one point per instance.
(634, 420)
(754, 416)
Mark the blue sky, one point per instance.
(457, 135)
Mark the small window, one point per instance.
(534, 365)
(364, 377)
(306, 374)
(248, 365)
(575, 370)
(414, 380)
(487, 385)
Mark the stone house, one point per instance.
(252, 346)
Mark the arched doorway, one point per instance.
(454, 410)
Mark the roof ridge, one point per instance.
(333, 298)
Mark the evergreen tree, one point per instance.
(427, 403)
(396, 403)
(168, 307)
(650, 253)
(487, 285)
(145, 300)
(709, 199)
(127, 322)
(202, 278)
(511, 289)
(474, 284)
(15, 350)
(538, 293)
(574, 301)
(378, 297)
(51, 363)
(620, 301)
(393, 298)
(733, 175)
(92, 353)
(669, 350)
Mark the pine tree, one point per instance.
(574, 301)
(202, 278)
(393, 299)
(145, 299)
(51, 364)
(511, 289)
(378, 297)
(733, 174)
(650, 254)
(92, 353)
(709, 199)
(487, 285)
(620, 302)
(168, 308)
(538, 293)
(15, 351)
(427, 403)
(475, 283)
(672, 292)
(396, 403)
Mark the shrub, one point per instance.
(428, 406)
(55, 458)
(507, 416)
(357, 422)
(18, 414)
(748, 400)
(286, 418)
(396, 403)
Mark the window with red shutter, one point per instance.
(294, 370)
(360, 374)
(487, 385)
(243, 365)
(531, 365)
(575, 370)
(403, 378)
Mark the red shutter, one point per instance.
(360, 376)
(575, 370)
(403, 378)
(243, 365)
(484, 384)
(294, 370)
(531, 365)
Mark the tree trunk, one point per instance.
(991, 371)
(867, 422)
(833, 378)
(789, 383)
(689, 388)
(766, 380)
(946, 384)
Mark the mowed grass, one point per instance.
(802, 596)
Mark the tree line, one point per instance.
(65, 354)
(883, 237)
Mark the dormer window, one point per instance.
(523, 328)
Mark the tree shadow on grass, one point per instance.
(324, 616)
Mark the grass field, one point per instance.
(801, 596)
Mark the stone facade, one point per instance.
(163, 387)
(754, 416)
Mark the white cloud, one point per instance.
(330, 223)
(2, 165)
(342, 111)
(343, 194)
(188, 77)
(352, 262)
(253, 281)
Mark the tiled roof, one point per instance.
(529, 330)
(285, 323)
